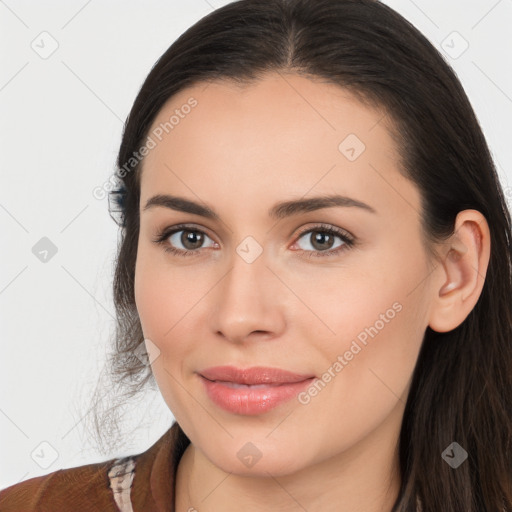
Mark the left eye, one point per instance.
(320, 240)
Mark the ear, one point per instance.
(462, 270)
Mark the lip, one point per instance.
(251, 391)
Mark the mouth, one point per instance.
(255, 376)
(251, 391)
(236, 385)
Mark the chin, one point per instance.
(260, 457)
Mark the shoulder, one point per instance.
(84, 488)
(145, 479)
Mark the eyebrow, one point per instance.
(278, 211)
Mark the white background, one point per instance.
(61, 121)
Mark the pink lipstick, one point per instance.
(251, 391)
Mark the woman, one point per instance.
(316, 263)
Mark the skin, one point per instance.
(241, 150)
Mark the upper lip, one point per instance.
(252, 376)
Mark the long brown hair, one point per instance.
(461, 388)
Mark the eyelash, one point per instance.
(348, 240)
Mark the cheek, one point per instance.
(162, 296)
(160, 308)
(383, 291)
(372, 376)
(367, 368)
(373, 321)
(167, 302)
(150, 300)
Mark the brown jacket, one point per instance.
(88, 488)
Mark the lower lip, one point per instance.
(253, 400)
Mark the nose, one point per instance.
(249, 302)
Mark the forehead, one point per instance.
(281, 135)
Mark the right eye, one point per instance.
(191, 239)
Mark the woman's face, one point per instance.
(264, 285)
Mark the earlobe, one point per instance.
(461, 272)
